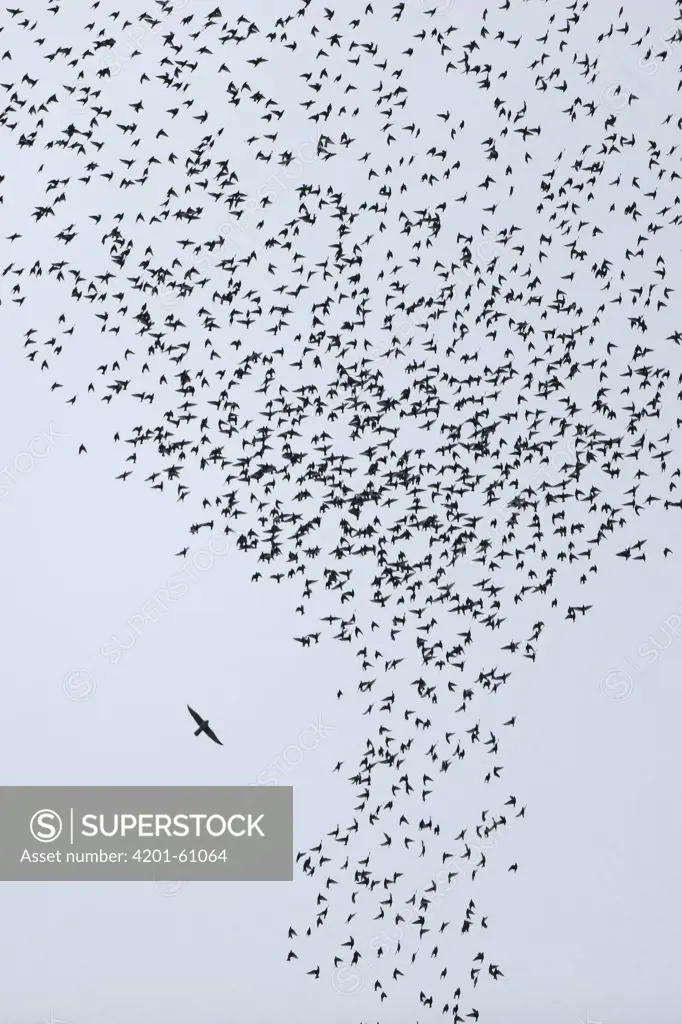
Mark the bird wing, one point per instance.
(197, 718)
(209, 732)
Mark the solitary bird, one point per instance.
(203, 726)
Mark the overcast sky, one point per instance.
(587, 930)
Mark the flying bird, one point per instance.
(203, 726)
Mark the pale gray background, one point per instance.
(589, 925)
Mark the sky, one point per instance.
(586, 930)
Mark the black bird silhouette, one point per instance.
(203, 726)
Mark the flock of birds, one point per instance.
(383, 334)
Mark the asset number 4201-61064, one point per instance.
(184, 857)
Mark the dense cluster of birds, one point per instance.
(383, 292)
